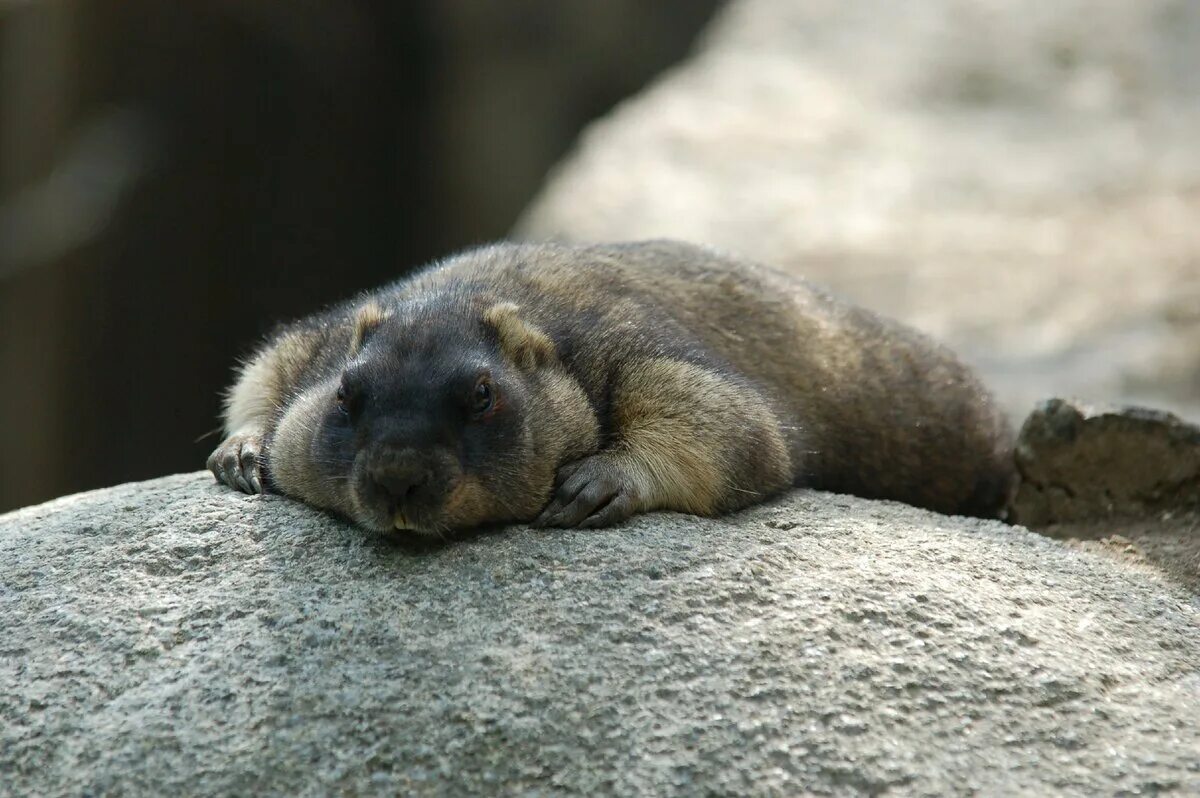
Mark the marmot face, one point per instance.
(427, 428)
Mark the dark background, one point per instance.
(176, 176)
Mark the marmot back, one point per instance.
(577, 385)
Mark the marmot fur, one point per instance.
(578, 385)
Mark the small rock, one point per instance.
(1078, 462)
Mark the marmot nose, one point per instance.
(400, 484)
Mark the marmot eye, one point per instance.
(351, 395)
(482, 398)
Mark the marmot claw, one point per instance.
(236, 462)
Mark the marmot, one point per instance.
(578, 385)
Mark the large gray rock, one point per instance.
(171, 637)
(1018, 178)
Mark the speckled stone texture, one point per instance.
(171, 637)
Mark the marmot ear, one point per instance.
(523, 343)
(366, 320)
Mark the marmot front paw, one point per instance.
(591, 492)
(236, 462)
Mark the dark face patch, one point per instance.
(408, 431)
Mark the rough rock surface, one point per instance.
(1018, 178)
(171, 637)
(1079, 463)
(1113, 479)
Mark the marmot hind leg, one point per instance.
(686, 438)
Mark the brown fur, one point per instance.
(657, 414)
(630, 378)
(366, 320)
(524, 344)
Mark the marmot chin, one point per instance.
(579, 385)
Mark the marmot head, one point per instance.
(445, 416)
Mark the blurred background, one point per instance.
(176, 176)
(1020, 179)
